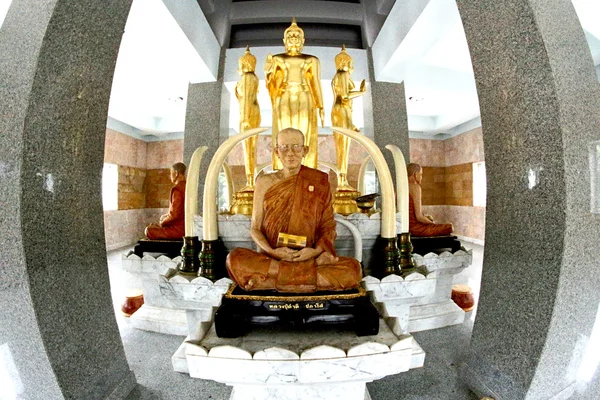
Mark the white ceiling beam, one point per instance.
(419, 123)
(410, 31)
(465, 126)
(445, 123)
(432, 78)
(385, 6)
(392, 35)
(193, 23)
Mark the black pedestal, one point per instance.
(434, 244)
(240, 310)
(171, 248)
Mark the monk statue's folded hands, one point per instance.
(306, 253)
(283, 253)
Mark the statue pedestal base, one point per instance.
(420, 300)
(161, 320)
(344, 201)
(240, 311)
(242, 202)
(325, 364)
(174, 303)
(171, 248)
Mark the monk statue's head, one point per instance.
(177, 172)
(247, 62)
(290, 147)
(293, 38)
(415, 172)
(343, 61)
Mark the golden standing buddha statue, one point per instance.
(341, 115)
(294, 84)
(246, 92)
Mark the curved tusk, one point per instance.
(209, 203)
(355, 235)
(361, 175)
(229, 180)
(401, 184)
(388, 206)
(191, 190)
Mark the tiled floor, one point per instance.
(149, 354)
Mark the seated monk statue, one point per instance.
(292, 206)
(419, 224)
(172, 225)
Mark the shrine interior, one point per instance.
(498, 103)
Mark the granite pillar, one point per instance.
(206, 121)
(540, 111)
(58, 335)
(389, 123)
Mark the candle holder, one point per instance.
(209, 259)
(406, 264)
(190, 263)
(365, 203)
(242, 203)
(390, 257)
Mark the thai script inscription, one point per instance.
(297, 306)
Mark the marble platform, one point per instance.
(421, 300)
(417, 302)
(437, 309)
(322, 364)
(174, 304)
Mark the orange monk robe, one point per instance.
(417, 228)
(298, 205)
(173, 227)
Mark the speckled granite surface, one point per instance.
(206, 121)
(58, 328)
(386, 105)
(540, 109)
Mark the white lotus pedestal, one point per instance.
(417, 302)
(327, 364)
(156, 315)
(422, 299)
(174, 304)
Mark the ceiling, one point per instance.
(169, 43)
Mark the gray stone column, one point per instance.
(58, 334)
(206, 121)
(540, 111)
(389, 124)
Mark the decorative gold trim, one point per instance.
(361, 292)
